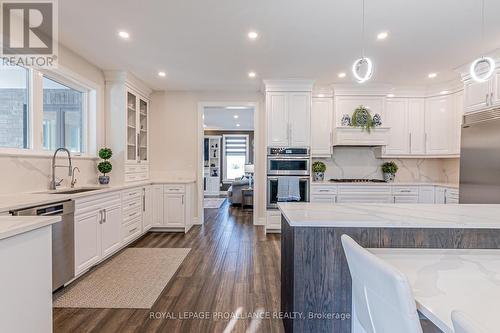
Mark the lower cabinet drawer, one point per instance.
(131, 230)
(174, 188)
(323, 198)
(405, 190)
(323, 189)
(132, 214)
(273, 220)
(365, 199)
(406, 199)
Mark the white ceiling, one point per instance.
(221, 118)
(202, 45)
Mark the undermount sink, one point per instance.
(74, 190)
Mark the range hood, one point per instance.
(355, 136)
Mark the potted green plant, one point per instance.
(104, 166)
(362, 118)
(389, 169)
(319, 169)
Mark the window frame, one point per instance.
(35, 113)
(247, 154)
(85, 102)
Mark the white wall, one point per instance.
(174, 129)
(30, 174)
(360, 162)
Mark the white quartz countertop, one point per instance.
(22, 200)
(447, 280)
(391, 215)
(14, 225)
(326, 182)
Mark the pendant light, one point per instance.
(363, 61)
(483, 61)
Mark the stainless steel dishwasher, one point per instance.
(63, 239)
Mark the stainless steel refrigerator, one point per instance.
(480, 158)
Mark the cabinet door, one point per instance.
(147, 209)
(173, 210)
(132, 127)
(111, 229)
(426, 195)
(439, 124)
(143, 130)
(396, 117)
(277, 119)
(496, 88)
(299, 119)
(477, 95)
(440, 195)
(458, 104)
(321, 126)
(157, 204)
(87, 240)
(416, 126)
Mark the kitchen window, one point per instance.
(235, 156)
(63, 116)
(14, 112)
(41, 111)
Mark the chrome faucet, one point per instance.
(53, 183)
(73, 178)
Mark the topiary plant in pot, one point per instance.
(389, 169)
(105, 166)
(319, 169)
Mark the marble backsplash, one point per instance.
(360, 162)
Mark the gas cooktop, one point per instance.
(347, 180)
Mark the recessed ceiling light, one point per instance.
(124, 34)
(237, 125)
(383, 35)
(204, 125)
(252, 74)
(236, 116)
(390, 95)
(342, 75)
(444, 92)
(162, 74)
(432, 75)
(321, 95)
(253, 35)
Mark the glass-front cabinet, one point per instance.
(137, 128)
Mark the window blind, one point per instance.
(235, 145)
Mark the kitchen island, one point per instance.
(315, 278)
(26, 273)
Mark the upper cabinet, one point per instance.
(423, 127)
(127, 126)
(288, 109)
(321, 123)
(482, 95)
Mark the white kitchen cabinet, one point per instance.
(288, 119)
(299, 119)
(174, 210)
(426, 194)
(157, 205)
(458, 100)
(440, 123)
(496, 88)
(147, 209)
(128, 113)
(397, 118)
(416, 125)
(440, 195)
(321, 127)
(110, 229)
(87, 240)
(477, 95)
(273, 221)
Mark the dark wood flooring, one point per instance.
(232, 264)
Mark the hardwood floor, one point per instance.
(232, 264)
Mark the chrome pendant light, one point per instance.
(363, 61)
(477, 68)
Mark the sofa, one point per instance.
(234, 194)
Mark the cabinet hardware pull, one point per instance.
(100, 217)
(105, 217)
(182, 200)
(133, 229)
(491, 99)
(487, 95)
(131, 214)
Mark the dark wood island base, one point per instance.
(315, 278)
